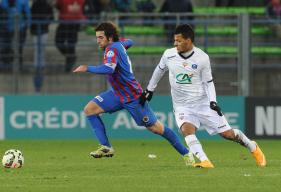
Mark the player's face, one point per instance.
(182, 44)
(102, 41)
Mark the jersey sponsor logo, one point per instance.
(184, 78)
(194, 66)
(99, 98)
(222, 126)
(110, 54)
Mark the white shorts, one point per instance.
(202, 115)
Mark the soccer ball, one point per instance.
(13, 158)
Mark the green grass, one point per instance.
(66, 166)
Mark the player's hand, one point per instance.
(81, 69)
(215, 107)
(145, 96)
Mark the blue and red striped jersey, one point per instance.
(122, 80)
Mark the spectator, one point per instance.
(2, 32)
(146, 6)
(96, 7)
(175, 6)
(274, 12)
(42, 14)
(11, 9)
(70, 13)
(239, 3)
(123, 6)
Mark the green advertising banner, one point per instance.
(61, 117)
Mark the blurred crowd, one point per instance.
(35, 16)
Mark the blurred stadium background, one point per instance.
(239, 36)
(46, 103)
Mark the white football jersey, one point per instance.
(187, 76)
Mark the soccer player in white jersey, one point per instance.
(194, 96)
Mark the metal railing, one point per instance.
(239, 46)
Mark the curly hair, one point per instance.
(110, 30)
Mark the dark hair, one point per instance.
(186, 31)
(110, 30)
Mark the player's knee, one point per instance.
(229, 134)
(90, 111)
(87, 111)
(187, 129)
(157, 128)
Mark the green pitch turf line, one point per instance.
(65, 166)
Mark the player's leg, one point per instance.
(105, 102)
(218, 124)
(188, 130)
(144, 116)
(187, 122)
(239, 137)
(173, 139)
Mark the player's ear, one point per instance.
(110, 39)
(189, 41)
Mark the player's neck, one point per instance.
(187, 53)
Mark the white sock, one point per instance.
(195, 147)
(244, 140)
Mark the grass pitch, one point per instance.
(66, 166)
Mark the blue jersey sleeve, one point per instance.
(127, 43)
(100, 69)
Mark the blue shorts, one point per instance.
(109, 102)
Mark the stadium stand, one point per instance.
(218, 35)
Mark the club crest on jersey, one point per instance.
(194, 66)
(185, 64)
(145, 119)
(184, 78)
(110, 54)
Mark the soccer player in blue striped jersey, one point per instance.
(124, 93)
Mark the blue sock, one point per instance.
(99, 129)
(170, 135)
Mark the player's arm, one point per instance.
(158, 73)
(110, 63)
(98, 69)
(207, 79)
(127, 43)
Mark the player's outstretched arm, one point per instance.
(107, 68)
(80, 69)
